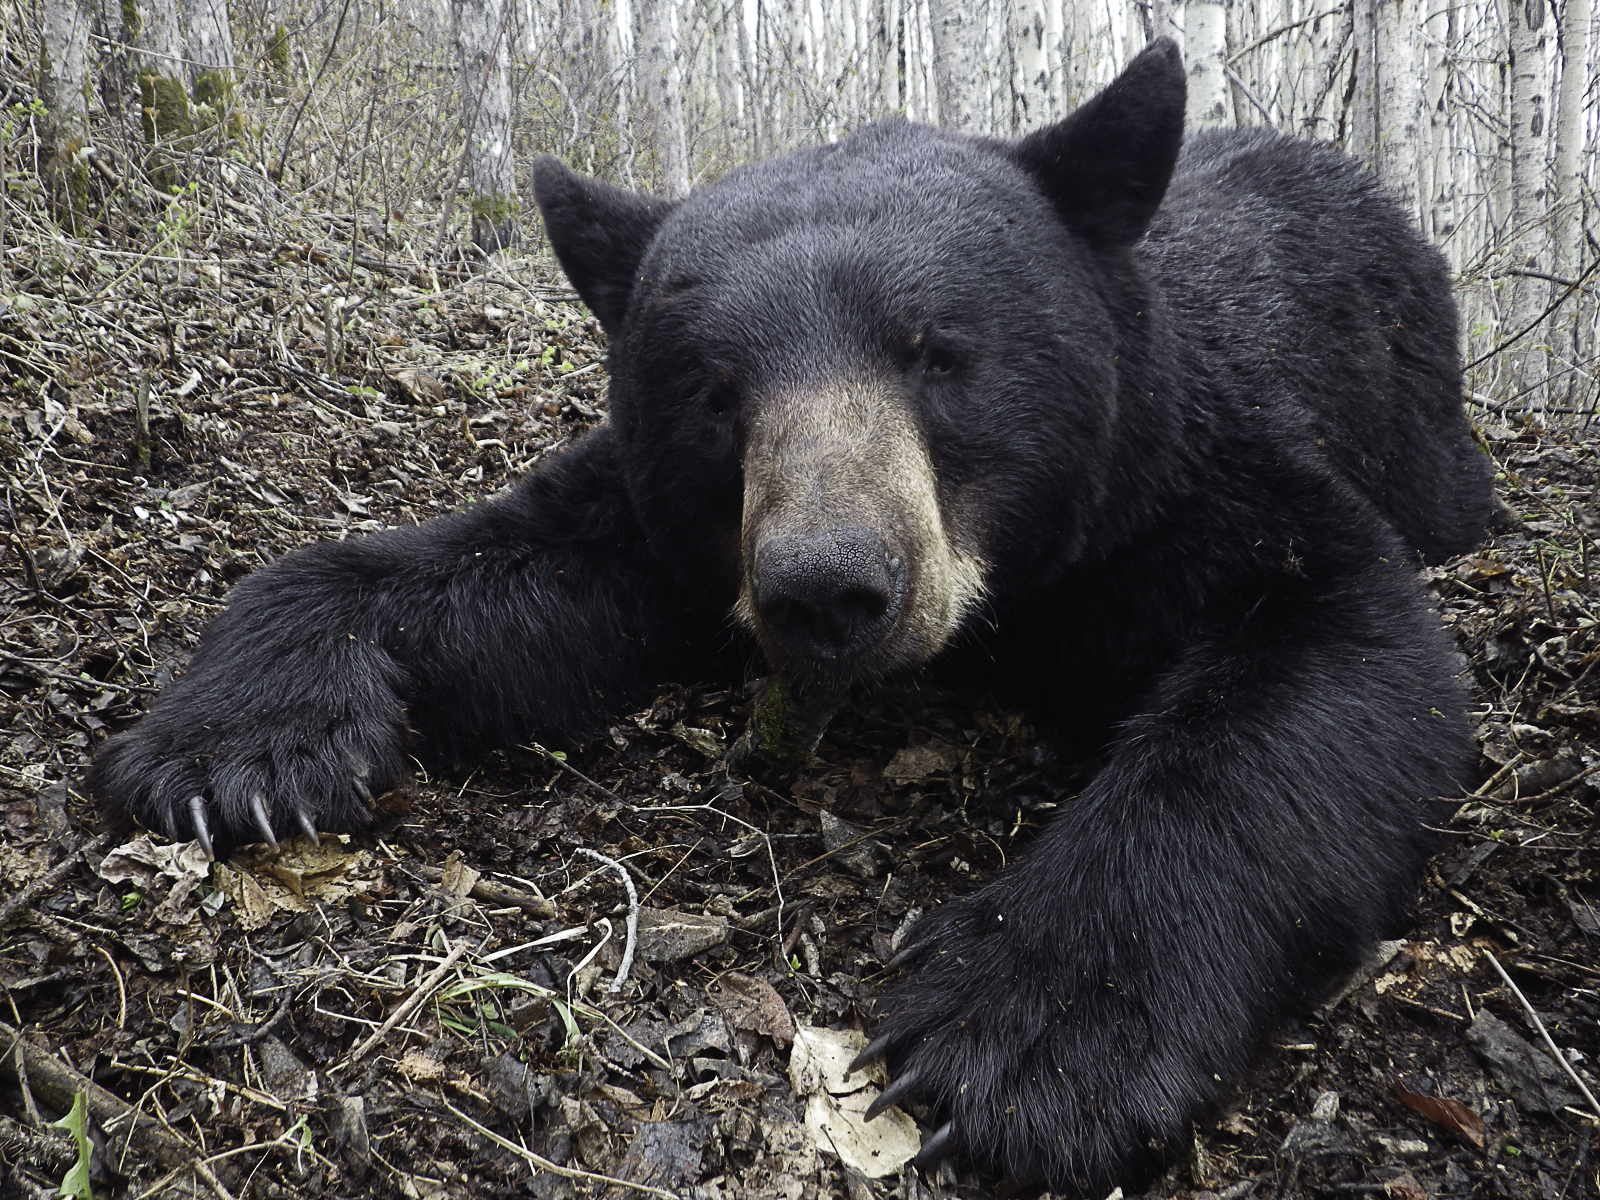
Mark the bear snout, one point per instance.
(828, 595)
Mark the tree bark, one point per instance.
(661, 90)
(1205, 36)
(65, 91)
(1526, 362)
(154, 30)
(1029, 31)
(208, 46)
(1399, 99)
(480, 37)
(958, 42)
(1571, 180)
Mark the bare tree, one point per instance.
(1529, 229)
(65, 80)
(1205, 41)
(480, 36)
(958, 44)
(662, 92)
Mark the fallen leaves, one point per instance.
(1451, 1114)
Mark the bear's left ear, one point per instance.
(1107, 166)
(599, 233)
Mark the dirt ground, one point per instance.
(429, 1012)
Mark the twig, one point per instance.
(633, 916)
(544, 1164)
(499, 893)
(48, 881)
(59, 1084)
(424, 989)
(561, 761)
(1575, 285)
(1544, 1033)
(1565, 786)
(710, 807)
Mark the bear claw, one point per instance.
(258, 811)
(202, 831)
(939, 1146)
(900, 1087)
(909, 953)
(307, 825)
(875, 1050)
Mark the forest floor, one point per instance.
(428, 1011)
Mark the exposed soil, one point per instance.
(224, 1019)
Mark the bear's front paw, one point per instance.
(1034, 1069)
(252, 764)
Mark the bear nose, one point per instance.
(830, 593)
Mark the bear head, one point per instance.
(866, 391)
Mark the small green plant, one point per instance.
(76, 1181)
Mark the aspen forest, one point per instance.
(1480, 118)
(272, 274)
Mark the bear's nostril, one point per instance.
(827, 594)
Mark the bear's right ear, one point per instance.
(599, 233)
(1107, 166)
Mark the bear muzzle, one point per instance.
(828, 596)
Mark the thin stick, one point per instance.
(633, 916)
(424, 989)
(544, 1164)
(1544, 1033)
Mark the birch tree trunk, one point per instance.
(154, 31)
(1360, 121)
(1571, 191)
(1571, 182)
(480, 33)
(958, 42)
(1205, 36)
(1032, 82)
(1399, 99)
(65, 92)
(1438, 176)
(208, 46)
(1525, 362)
(662, 93)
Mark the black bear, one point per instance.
(1148, 443)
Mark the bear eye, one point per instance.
(938, 361)
(721, 400)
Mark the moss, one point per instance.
(214, 88)
(494, 222)
(68, 181)
(132, 22)
(164, 107)
(278, 50)
(773, 719)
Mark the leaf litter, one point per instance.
(426, 1012)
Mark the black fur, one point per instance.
(1199, 459)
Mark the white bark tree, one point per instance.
(959, 30)
(1571, 166)
(1205, 45)
(1399, 99)
(480, 33)
(661, 93)
(65, 88)
(1525, 361)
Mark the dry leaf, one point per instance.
(819, 1068)
(1452, 1114)
(749, 1002)
(1405, 1187)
